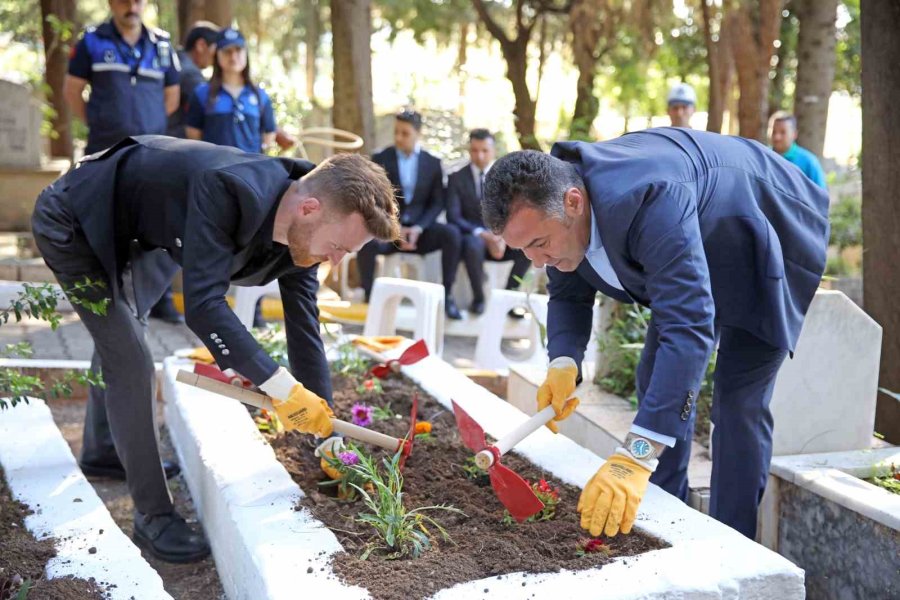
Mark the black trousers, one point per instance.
(438, 236)
(120, 424)
(474, 253)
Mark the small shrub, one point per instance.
(547, 494)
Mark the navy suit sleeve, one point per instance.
(212, 216)
(454, 204)
(665, 239)
(569, 315)
(306, 351)
(435, 201)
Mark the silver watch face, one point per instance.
(640, 448)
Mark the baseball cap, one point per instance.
(682, 94)
(229, 37)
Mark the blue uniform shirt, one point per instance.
(127, 82)
(239, 122)
(808, 163)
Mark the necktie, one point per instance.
(481, 185)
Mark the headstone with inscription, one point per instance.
(20, 127)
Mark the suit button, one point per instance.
(690, 395)
(222, 346)
(178, 242)
(213, 336)
(226, 352)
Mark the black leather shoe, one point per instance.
(166, 311)
(477, 307)
(169, 538)
(451, 309)
(117, 471)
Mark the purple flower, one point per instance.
(348, 458)
(362, 415)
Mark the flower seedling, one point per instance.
(423, 431)
(591, 546)
(473, 472)
(384, 413)
(370, 386)
(401, 531)
(547, 494)
(350, 479)
(349, 362)
(361, 414)
(890, 481)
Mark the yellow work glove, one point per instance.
(556, 389)
(610, 500)
(201, 354)
(297, 407)
(379, 343)
(329, 449)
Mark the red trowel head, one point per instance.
(410, 356)
(407, 442)
(512, 491)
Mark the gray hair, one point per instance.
(529, 177)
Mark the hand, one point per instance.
(412, 236)
(403, 243)
(610, 500)
(297, 407)
(285, 140)
(328, 450)
(496, 247)
(556, 389)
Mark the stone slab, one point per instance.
(42, 473)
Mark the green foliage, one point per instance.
(383, 413)
(371, 387)
(622, 344)
(846, 222)
(423, 17)
(473, 472)
(547, 494)
(848, 67)
(401, 531)
(351, 479)
(349, 363)
(274, 341)
(889, 481)
(41, 301)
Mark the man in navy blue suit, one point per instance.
(724, 241)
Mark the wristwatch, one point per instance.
(640, 448)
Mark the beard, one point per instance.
(299, 238)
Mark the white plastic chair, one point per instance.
(488, 353)
(245, 299)
(428, 302)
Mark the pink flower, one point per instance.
(369, 384)
(593, 545)
(362, 415)
(348, 458)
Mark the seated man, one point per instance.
(784, 141)
(419, 188)
(464, 195)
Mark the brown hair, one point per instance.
(352, 183)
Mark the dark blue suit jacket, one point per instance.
(211, 209)
(706, 230)
(428, 199)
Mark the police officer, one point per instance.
(133, 73)
(198, 53)
(225, 216)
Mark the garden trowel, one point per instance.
(246, 396)
(511, 489)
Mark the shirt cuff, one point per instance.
(477, 230)
(667, 440)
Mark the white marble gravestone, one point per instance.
(20, 126)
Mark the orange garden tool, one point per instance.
(512, 491)
(246, 396)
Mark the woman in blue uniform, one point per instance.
(231, 110)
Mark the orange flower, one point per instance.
(423, 427)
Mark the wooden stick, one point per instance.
(485, 458)
(262, 401)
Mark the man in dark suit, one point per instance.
(464, 195)
(724, 241)
(226, 217)
(418, 181)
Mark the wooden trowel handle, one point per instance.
(485, 458)
(262, 401)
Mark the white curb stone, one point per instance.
(246, 497)
(42, 473)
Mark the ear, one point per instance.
(574, 202)
(308, 207)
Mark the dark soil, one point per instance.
(482, 546)
(23, 558)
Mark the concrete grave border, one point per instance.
(265, 549)
(42, 473)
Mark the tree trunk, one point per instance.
(719, 65)
(754, 27)
(313, 33)
(585, 23)
(880, 22)
(462, 57)
(515, 52)
(220, 12)
(815, 70)
(57, 58)
(351, 28)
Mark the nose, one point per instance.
(535, 258)
(336, 257)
